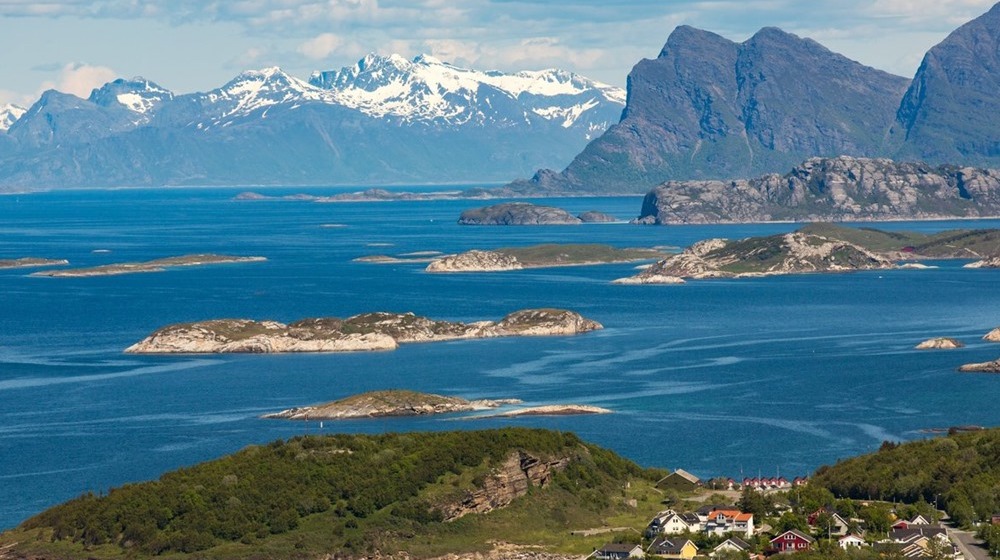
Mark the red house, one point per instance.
(792, 541)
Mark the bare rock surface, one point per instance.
(517, 214)
(157, 265)
(365, 332)
(993, 336)
(475, 261)
(940, 343)
(983, 367)
(31, 262)
(509, 481)
(549, 410)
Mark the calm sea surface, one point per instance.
(772, 375)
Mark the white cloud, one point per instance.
(321, 46)
(930, 12)
(79, 79)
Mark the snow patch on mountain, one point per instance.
(9, 115)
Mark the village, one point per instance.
(775, 516)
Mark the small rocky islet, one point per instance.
(528, 214)
(539, 256)
(364, 332)
(156, 265)
(398, 402)
(940, 343)
(31, 262)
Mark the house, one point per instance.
(673, 548)
(617, 551)
(906, 524)
(851, 541)
(670, 522)
(723, 521)
(834, 526)
(916, 540)
(732, 544)
(679, 480)
(792, 541)
(800, 481)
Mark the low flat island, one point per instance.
(157, 265)
(31, 262)
(539, 256)
(365, 332)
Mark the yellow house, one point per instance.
(673, 548)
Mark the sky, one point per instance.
(198, 45)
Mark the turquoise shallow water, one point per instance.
(772, 375)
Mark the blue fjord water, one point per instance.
(770, 375)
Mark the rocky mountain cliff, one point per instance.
(384, 120)
(708, 107)
(9, 114)
(831, 189)
(950, 112)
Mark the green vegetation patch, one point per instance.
(344, 494)
(961, 472)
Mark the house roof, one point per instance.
(911, 533)
(733, 541)
(850, 538)
(669, 546)
(744, 517)
(797, 533)
(690, 518)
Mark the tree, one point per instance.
(791, 520)
(755, 502)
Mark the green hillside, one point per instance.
(353, 495)
(961, 472)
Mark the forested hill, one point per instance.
(962, 471)
(350, 495)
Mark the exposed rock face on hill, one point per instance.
(951, 111)
(509, 481)
(475, 261)
(940, 343)
(834, 189)
(709, 108)
(789, 253)
(366, 332)
(517, 214)
(377, 404)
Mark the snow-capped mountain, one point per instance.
(383, 120)
(427, 89)
(9, 114)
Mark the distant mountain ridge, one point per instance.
(9, 114)
(709, 108)
(383, 120)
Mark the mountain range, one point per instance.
(711, 108)
(383, 120)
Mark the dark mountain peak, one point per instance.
(685, 38)
(137, 94)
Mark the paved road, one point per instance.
(971, 547)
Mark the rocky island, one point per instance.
(378, 404)
(31, 262)
(993, 335)
(983, 367)
(526, 214)
(789, 253)
(539, 256)
(940, 343)
(549, 410)
(365, 332)
(158, 265)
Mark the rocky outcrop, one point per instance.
(509, 481)
(790, 253)
(984, 367)
(517, 214)
(991, 262)
(992, 336)
(830, 189)
(378, 404)
(940, 343)
(475, 261)
(366, 332)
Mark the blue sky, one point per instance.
(196, 45)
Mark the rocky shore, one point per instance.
(378, 404)
(539, 256)
(365, 332)
(31, 262)
(549, 410)
(983, 367)
(158, 265)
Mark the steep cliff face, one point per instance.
(831, 189)
(708, 107)
(511, 480)
(951, 112)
